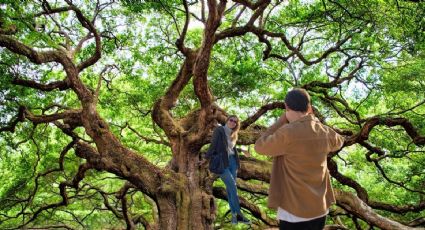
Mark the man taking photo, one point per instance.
(300, 186)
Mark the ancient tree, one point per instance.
(107, 107)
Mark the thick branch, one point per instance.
(37, 119)
(130, 166)
(60, 85)
(252, 168)
(389, 122)
(252, 188)
(260, 112)
(161, 111)
(333, 170)
(38, 57)
(200, 69)
(48, 10)
(357, 207)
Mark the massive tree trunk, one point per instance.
(191, 204)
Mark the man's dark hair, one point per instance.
(298, 100)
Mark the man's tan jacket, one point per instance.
(300, 181)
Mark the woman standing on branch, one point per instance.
(224, 161)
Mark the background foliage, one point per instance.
(138, 48)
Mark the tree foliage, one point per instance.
(107, 107)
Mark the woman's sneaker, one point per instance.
(241, 219)
(234, 218)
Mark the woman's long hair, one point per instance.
(235, 131)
